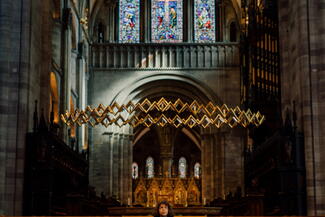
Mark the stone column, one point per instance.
(220, 169)
(14, 101)
(166, 139)
(126, 179)
(234, 159)
(305, 63)
(115, 165)
(209, 156)
(100, 162)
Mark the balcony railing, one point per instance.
(113, 56)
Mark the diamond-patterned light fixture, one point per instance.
(183, 114)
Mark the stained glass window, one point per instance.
(182, 167)
(135, 170)
(204, 20)
(167, 21)
(197, 170)
(149, 167)
(129, 21)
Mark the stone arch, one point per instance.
(162, 85)
(189, 133)
(146, 87)
(232, 15)
(229, 24)
(97, 12)
(235, 4)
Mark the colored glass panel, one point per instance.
(150, 168)
(129, 21)
(204, 23)
(135, 171)
(167, 21)
(182, 167)
(197, 170)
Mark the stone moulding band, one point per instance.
(163, 112)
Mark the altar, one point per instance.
(145, 211)
(180, 192)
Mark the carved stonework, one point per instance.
(194, 194)
(177, 191)
(140, 193)
(180, 195)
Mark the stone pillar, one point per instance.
(209, 156)
(234, 159)
(220, 169)
(222, 162)
(100, 162)
(302, 77)
(166, 139)
(114, 165)
(126, 178)
(14, 100)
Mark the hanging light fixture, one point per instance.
(163, 112)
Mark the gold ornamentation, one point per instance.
(177, 191)
(163, 112)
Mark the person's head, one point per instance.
(164, 209)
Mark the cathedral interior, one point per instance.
(169, 61)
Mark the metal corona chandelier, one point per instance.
(163, 112)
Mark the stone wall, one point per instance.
(302, 47)
(121, 84)
(21, 64)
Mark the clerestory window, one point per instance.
(171, 21)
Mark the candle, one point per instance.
(204, 201)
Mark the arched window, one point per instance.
(100, 33)
(150, 167)
(197, 170)
(54, 98)
(233, 32)
(129, 21)
(182, 167)
(167, 20)
(73, 126)
(135, 170)
(204, 23)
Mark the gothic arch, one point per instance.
(191, 134)
(237, 9)
(145, 88)
(163, 85)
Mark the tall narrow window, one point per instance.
(197, 170)
(135, 170)
(100, 33)
(204, 20)
(54, 98)
(167, 21)
(182, 167)
(150, 167)
(129, 21)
